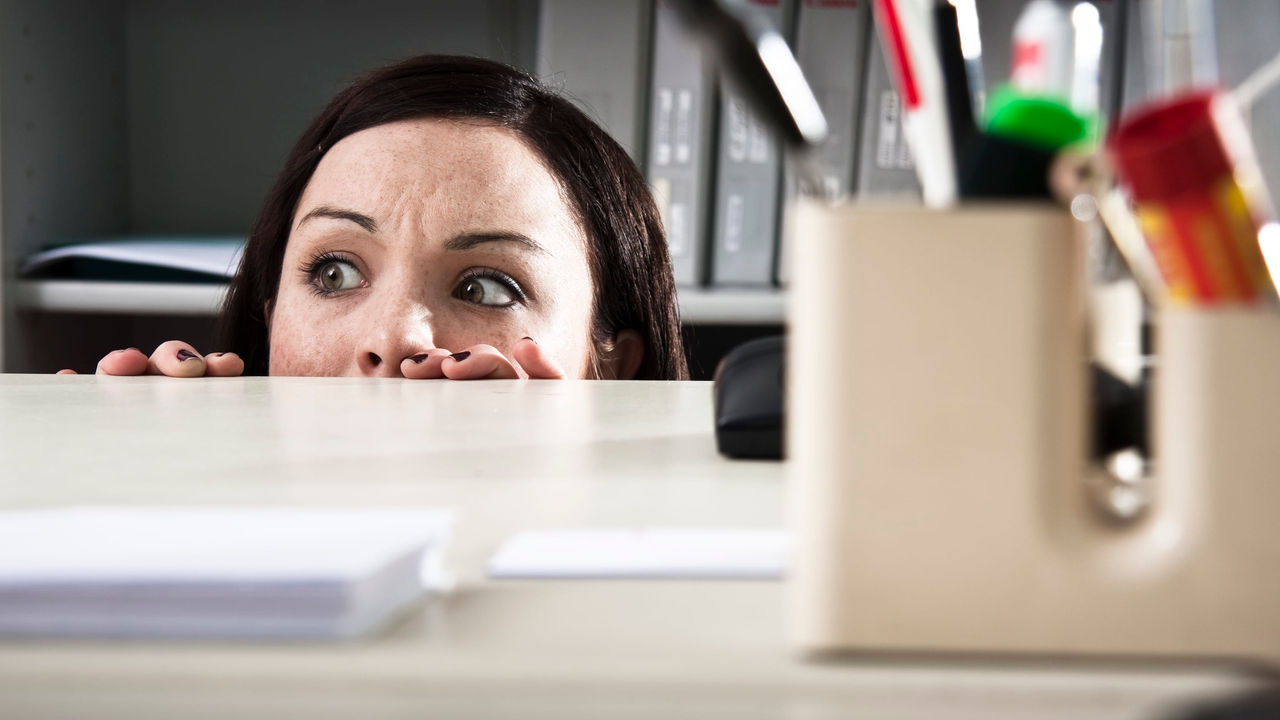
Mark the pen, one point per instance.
(960, 118)
(971, 48)
(911, 53)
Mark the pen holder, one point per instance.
(938, 484)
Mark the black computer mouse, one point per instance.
(751, 420)
(748, 388)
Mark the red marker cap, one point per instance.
(1171, 147)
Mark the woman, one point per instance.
(447, 217)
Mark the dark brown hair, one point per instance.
(627, 250)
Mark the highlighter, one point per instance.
(911, 52)
(1188, 164)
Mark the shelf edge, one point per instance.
(123, 298)
(733, 307)
(699, 307)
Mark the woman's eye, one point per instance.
(485, 291)
(337, 275)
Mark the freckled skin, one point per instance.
(425, 182)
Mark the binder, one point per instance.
(748, 180)
(885, 168)
(831, 47)
(680, 143)
(596, 54)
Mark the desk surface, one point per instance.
(508, 456)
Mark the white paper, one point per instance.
(215, 572)
(644, 553)
(210, 256)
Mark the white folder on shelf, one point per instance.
(216, 257)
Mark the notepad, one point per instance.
(644, 553)
(215, 572)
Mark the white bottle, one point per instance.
(1043, 47)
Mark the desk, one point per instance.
(508, 456)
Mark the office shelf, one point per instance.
(705, 307)
(766, 306)
(123, 298)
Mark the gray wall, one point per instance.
(218, 92)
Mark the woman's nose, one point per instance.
(390, 338)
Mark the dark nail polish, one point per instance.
(417, 359)
(461, 355)
(185, 355)
(526, 337)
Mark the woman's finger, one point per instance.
(129, 361)
(481, 362)
(535, 362)
(223, 365)
(425, 365)
(66, 371)
(176, 359)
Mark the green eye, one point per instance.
(338, 275)
(483, 290)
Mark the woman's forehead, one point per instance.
(440, 171)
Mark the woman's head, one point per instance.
(448, 202)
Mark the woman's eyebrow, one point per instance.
(324, 211)
(466, 241)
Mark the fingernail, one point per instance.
(185, 355)
(461, 356)
(133, 349)
(417, 359)
(526, 337)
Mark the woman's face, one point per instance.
(429, 234)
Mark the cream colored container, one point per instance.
(937, 452)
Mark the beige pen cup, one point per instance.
(1217, 443)
(937, 464)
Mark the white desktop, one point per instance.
(507, 457)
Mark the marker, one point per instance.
(1189, 165)
(971, 48)
(1043, 47)
(960, 116)
(1088, 59)
(912, 55)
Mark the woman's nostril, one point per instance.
(374, 360)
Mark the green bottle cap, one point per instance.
(1045, 122)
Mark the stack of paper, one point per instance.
(215, 573)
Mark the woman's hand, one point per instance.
(483, 362)
(173, 358)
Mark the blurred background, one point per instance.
(168, 119)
